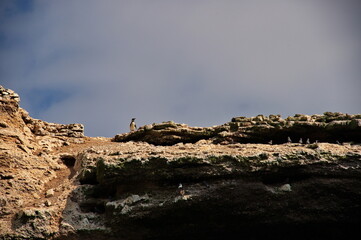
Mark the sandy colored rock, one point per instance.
(49, 193)
(47, 203)
(57, 184)
(329, 127)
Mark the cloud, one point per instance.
(197, 62)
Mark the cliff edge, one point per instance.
(329, 127)
(250, 178)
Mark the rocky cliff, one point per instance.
(329, 127)
(9, 106)
(251, 178)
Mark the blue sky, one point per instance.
(199, 62)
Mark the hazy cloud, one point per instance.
(198, 62)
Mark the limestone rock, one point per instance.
(330, 127)
(47, 203)
(49, 193)
(232, 184)
(168, 133)
(3, 201)
(34, 223)
(222, 181)
(285, 188)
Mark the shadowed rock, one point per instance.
(56, 186)
(230, 191)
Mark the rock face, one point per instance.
(10, 100)
(42, 128)
(329, 127)
(172, 181)
(29, 167)
(253, 190)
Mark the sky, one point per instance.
(199, 62)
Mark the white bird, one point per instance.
(132, 125)
(181, 190)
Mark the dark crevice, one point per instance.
(93, 205)
(68, 160)
(6, 177)
(89, 178)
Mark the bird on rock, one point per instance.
(181, 190)
(132, 125)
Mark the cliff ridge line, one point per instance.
(172, 181)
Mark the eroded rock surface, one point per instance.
(9, 104)
(229, 189)
(29, 167)
(329, 127)
(172, 181)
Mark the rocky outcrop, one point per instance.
(131, 191)
(42, 128)
(10, 100)
(169, 133)
(172, 181)
(8, 95)
(329, 127)
(29, 167)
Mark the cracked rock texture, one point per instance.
(172, 181)
(329, 127)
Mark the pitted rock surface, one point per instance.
(172, 181)
(329, 127)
